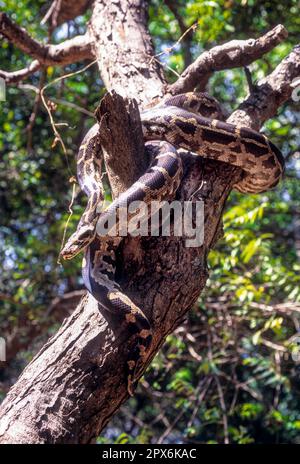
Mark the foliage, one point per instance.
(230, 372)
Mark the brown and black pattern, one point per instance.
(218, 140)
(185, 122)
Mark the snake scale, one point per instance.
(182, 122)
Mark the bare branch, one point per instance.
(25, 331)
(84, 363)
(20, 37)
(269, 93)
(232, 54)
(76, 49)
(17, 76)
(61, 101)
(64, 10)
(117, 36)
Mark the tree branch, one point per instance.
(64, 10)
(269, 93)
(229, 55)
(26, 330)
(70, 51)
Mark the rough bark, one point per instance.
(73, 386)
(233, 54)
(123, 47)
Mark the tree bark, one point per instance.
(73, 386)
(126, 160)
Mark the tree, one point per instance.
(73, 386)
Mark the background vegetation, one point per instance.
(230, 372)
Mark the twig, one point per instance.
(60, 101)
(61, 11)
(34, 112)
(164, 65)
(74, 106)
(287, 308)
(168, 50)
(49, 13)
(65, 76)
(273, 346)
(220, 392)
(200, 397)
(186, 36)
(55, 13)
(278, 385)
(70, 209)
(249, 79)
(65, 299)
(223, 408)
(170, 428)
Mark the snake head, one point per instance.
(83, 236)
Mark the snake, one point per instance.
(185, 123)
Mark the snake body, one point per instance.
(187, 122)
